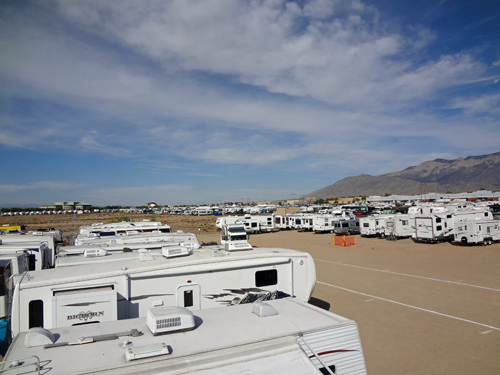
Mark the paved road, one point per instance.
(432, 309)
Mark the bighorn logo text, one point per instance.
(85, 315)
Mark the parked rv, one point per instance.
(205, 278)
(282, 336)
(477, 232)
(348, 226)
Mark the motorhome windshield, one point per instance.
(238, 237)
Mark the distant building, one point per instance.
(66, 206)
(483, 195)
(151, 204)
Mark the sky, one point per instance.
(200, 102)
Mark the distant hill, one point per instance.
(440, 175)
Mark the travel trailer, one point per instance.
(10, 264)
(40, 256)
(123, 289)
(283, 336)
(178, 236)
(440, 226)
(35, 241)
(252, 224)
(123, 227)
(476, 232)
(374, 225)
(399, 226)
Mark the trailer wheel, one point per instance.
(463, 239)
(488, 241)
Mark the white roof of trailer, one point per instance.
(199, 258)
(226, 340)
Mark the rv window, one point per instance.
(324, 371)
(486, 214)
(366, 225)
(188, 298)
(265, 278)
(404, 222)
(448, 216)
(35, 311)
(438, 220)
(345, 225)
(439, 227)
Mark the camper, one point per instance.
(234, 237)
(440, 226)
(325, 223)
(35, 241)
(178, 236)
(374, 225)
(199, 279)
(283, 336)
(39, 255)
(346, 227)
(476, 232)
(10, 264)
(399, 226)
(123, 228)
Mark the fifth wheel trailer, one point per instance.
(282, 336)
(201, 279)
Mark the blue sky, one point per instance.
(193, 102)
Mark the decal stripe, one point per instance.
(333, 351)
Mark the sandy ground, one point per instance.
(420, 308)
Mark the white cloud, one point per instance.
(482, 104)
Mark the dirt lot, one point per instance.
(420, 308)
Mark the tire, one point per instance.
(488, 241)
(463, 240)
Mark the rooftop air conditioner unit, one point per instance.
(174, 251)
(169, 319)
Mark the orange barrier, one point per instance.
(344, 241)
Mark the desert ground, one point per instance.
(420, 308)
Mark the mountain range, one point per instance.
(439, 175)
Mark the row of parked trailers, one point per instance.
(116, 292)
(469, 225)
(342, 222)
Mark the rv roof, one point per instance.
(129, 266)
(228, 338)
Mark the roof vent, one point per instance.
(144, 257)
(169, 319)
(38, 336)
(94, 253)
(146, 351)
(174, 251)
(263, 309)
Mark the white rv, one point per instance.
(37, 240)
(40, 256)
(178, 236)
(282, 336)
(374, 225)
(477, 232)
(234, 237)
(440, 226)
(123, 289)
(400, 226)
